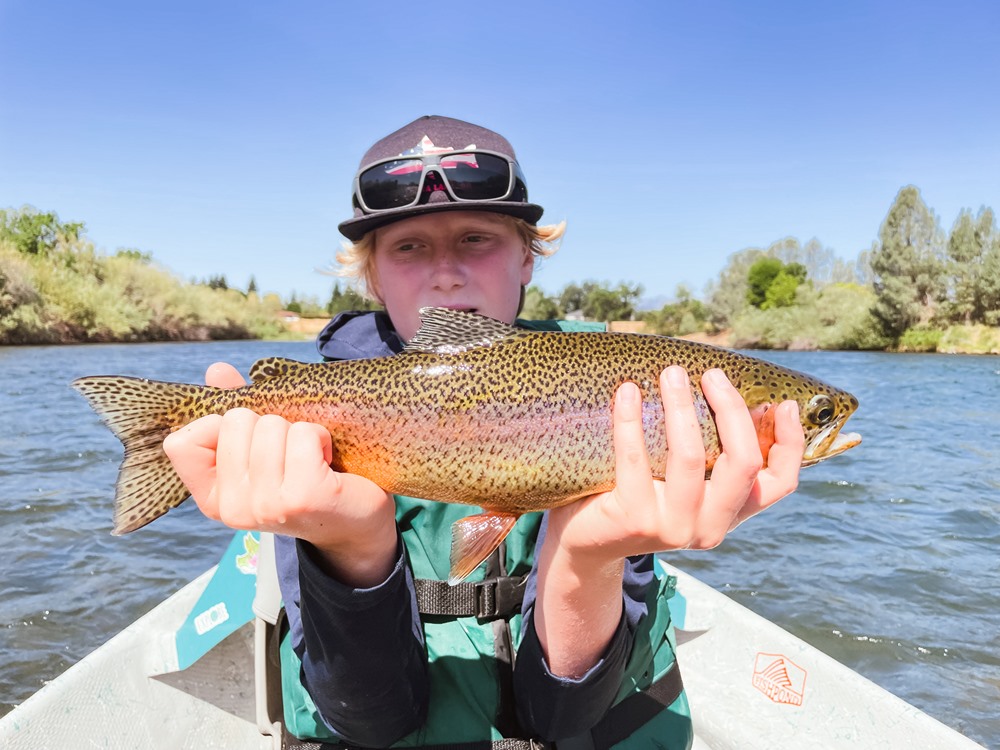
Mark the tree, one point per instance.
(35, 233)
(759, 279)
(217, 281)
(728, 294)
(348, 299)
(907, 265)
(685, 315)
(863, 273)
(969, 244)
(990, 283)
(538, 306)
(598, 302)
(252, 286)
(573, 297)
(782, 291)
(611, 304)
(771, 283)
(135, 255)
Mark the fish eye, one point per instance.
(821, 410)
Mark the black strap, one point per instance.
(497, 597)
(288, 742)
(626, 717)
(618, 724)
(505, 720)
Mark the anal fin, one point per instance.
(473, 539)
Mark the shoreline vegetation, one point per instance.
(918, 289)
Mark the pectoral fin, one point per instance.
(473, 539)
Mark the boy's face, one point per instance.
(466, 260)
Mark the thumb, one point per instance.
(222, 375)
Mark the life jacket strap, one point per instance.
(288, 742)
(621, 721)
(495, 598)
(635, 711)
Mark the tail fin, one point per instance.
(142, 413)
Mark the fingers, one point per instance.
(734, 476)
(666, 517)
(632, 471)
(685, 469)
(309, 446)
(741, 448)
(684, 510)
(191, 450)
(253, 471)
(233, 453)
(784, 462)
(266, 471)
(785, 458)
(222, 375)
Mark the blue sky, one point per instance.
(223, 136)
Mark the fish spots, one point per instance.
(520, 424)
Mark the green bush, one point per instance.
(21, 307)
(920, 339)
(62, 290)
(836, 317)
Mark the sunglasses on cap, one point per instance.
(475, 176)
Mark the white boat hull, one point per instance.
(750, 683)
(126, 694)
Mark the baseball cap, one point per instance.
(423, 142)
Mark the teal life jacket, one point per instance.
(466, 663)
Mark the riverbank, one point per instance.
(304, 328)
(979, 340)
(973, 339)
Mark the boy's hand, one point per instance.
(265, 473)
(580, 565)
(684, 510)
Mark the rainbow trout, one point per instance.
(473, 411)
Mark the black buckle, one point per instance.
(499, 597)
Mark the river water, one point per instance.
(886, 557)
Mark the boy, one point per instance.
(442, 219)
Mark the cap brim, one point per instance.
(356, 228)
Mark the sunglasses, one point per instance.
(399, 182)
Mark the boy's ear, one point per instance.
(373, 288)
(528, 268)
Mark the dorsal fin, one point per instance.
(444, 331)
(274, 367)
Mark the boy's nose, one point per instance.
(448, 272)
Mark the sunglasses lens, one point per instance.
(477, 177)
(472, 176)
(391, 184)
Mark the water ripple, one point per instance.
(885, 558)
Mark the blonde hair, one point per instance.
(355, 258)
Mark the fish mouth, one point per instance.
(829, 442)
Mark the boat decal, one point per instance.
(246, 563)
(211, 618)
(779, 678)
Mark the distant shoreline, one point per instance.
(304, 329)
